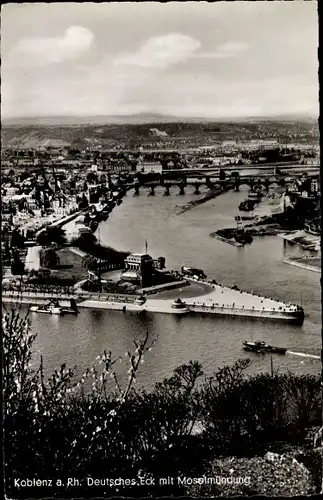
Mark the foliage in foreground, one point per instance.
(100, 428)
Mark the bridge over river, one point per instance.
(205, 177)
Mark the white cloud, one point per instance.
(162, 52)
(39, 51)
(225, 51)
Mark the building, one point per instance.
(315, 185)
(138, 269)
(155, 167)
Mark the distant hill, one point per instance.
(147, 131)
(142, 118)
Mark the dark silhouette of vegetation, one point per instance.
(89, 263)
(88, 243)
(82, 201)
(51, 235)
(49, 258)
(61, 427)
(17, 239)
(17, 266)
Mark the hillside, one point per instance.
(176, 133)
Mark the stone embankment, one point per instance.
(217, 299)
(234, 302)
(301, 238)
(303, 264)
(162, 288)
(61, 222)
(230, 241)
(209, 196)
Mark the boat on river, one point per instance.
(244, 217)
(53, 307)
(72, 309)
(193, 272)
(261, 347)
(47, 309)
(140, 301)
(247, 205)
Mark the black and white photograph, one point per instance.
(161, 249)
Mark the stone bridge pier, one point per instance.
(181, 189)
(197, 189)
(152, 191)
(166, 192)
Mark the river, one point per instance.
(214, 341)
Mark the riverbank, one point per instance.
(217, 299)
(230, 241)
(263, 229)
(301, 238)
(304, 263)
(195, 203)
(220, 300)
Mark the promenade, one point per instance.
(217, 299)
(220, 296)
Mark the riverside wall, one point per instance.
(248, 313)
(302, 265)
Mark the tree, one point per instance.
(50, 425)
(87, 219)
(52, 235)
(17, 266)
(89, 263)
(91, 178)
(85, 241)
(49, 258)
(17, 239)
(83, 203)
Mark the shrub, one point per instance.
(101, 427)
(49, 258)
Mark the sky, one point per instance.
(192, 59)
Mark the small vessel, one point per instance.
(193, 272)
(53, 307)
(72, 309)
(93, 225)
(255, 196)
(261, 347)
(243, 237)
(47, 309)
(79, 221)
(312, 230)
(247, 206)
(84, 230)
(244, 217)
(140, 301)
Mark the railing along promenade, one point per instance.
(62, 293)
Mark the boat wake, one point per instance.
(303, 354)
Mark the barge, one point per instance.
(261, 347)
(47, 309)
(53, 307)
